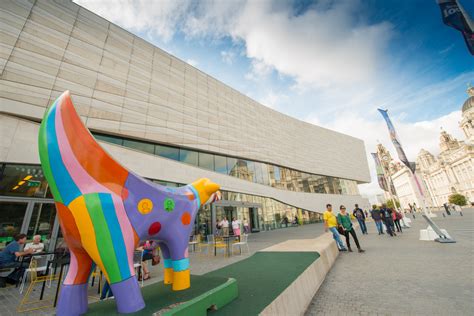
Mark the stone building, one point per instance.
(449, 172)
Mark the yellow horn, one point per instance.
(205, 189)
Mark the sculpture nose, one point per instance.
(205, 189)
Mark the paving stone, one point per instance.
(402, 275)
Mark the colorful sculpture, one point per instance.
(105, 210)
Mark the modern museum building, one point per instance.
(160, 118)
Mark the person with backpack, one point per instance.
(344, 221)
(387, 218)
(375, 213)
(359, 214)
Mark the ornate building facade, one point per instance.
(452, 171)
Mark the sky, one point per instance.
(328, 62)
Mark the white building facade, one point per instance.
(452, 171)
(159, 117)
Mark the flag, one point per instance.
(380, 174)
(454, 16)
(396, 142)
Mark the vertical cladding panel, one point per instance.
(13, 16)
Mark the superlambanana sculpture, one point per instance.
(105, 210)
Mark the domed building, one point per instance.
(453, 170)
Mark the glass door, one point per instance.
(254, 220)
(12, 214)
(42, 223)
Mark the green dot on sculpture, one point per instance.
(169, 205)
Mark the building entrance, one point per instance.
(242, 211)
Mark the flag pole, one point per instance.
(443, 236)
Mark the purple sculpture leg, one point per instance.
(128, 295)
(72, 300)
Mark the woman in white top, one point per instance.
(225, 226)
(236, 226)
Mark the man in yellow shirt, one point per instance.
(330, 223)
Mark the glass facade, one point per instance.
(263, 173)
(263, 214)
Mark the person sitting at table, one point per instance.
(8, 258)
(11, 252)
(36, 245)
(149, 248)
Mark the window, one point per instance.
(23, 180)
(188, 156)
(232, 166)
(109, 139)
(141, 146)
(206, 161)
(167, 152)
(220, 164)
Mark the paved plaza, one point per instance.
(402, 275)
(399, 275)
(201, 263)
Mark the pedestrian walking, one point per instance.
(330, 223)
(397, 216)
(344, 220)
(387, 218)
(359, 214)
(375, 213)
(246, 226)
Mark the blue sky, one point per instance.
(330, 63)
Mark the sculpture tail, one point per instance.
(70, 156)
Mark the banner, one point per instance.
(454, 16)
(380, 174)
(396, 142)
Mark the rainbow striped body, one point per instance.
(105, 210)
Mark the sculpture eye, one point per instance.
(145, 206)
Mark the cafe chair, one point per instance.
(26, 305)
(37, 264)
(137, 263)
(241, 243)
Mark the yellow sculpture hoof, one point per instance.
(181, 280)
(168, 276)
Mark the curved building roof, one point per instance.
(468, 104)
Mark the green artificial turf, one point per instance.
(261, 278)
(158, 296)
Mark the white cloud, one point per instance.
(228, 57)
(273, 99)
(414, 136)
(326, 45)
(192, 62)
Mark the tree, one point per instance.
(390, 204)
(457, 199)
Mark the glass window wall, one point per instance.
(188, 156)
(206, 161)
(220, 164)
(167, 152)
(258, 172)
(141, 146)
